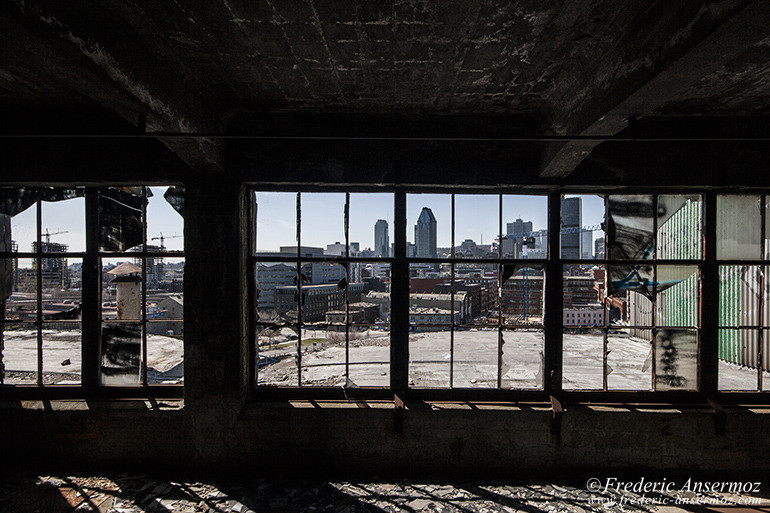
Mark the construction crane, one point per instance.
(162, 238)
(48, 235)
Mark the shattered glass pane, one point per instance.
(523, 359)
(121, 354)
(63, 221)
(629, 361)
(738, 227)
(370, 226)
(19, 347)
(678, 295)
(525, 226)
(429, 357)
(625, 278)
(680, 223)
(738, 356)
(628, 295)
(676, 359)
(522, 296)
(165, 352)
(475, 357)
(18, 217)
(175, 197)
(165, 225)
(62, 352)
(276, 223)
(583, 359)
(739, 289)
(477, 218)
(120, 218)
(277, 355)
(630, 226)
(15, 200)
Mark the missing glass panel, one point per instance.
(165, 225)
(429, 225)
(583, 359)
(19, 353)
(525, 226)
(523, 359)
(121, 289)
(477, 226)
(429, 357)
(323, 221)
(63, 221)
(21, 300)
(583, 296)
(276, 223)
(165, 352)
(676, 359)
(62, 352)
(738, 227)
(476, 357)
(370, 227)
(522, 296)
(121, 354)
(277, 355)
(582, 235)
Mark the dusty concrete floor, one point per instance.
(475, 362)
(122, 493)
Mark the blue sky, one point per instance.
(323, 216)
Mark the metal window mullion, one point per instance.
(299, 290)
(605, 324)
(347, 288)
(91, 297)
(144, 287)
(500, 295)
(452, 298)
(761, 302)
(39, 278)
(251, 233)
(553, 321)
(709, 293)
(399, 290)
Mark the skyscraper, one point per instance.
(571, 221)
(519, 228)
(425, 234)
(381, 239)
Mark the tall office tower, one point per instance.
(425, 234)
(571, 221)
(381, 239)
(586, 244)
(518, 228)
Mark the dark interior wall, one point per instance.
(218, 427)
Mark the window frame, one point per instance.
(91, 306)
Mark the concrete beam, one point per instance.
(746, 28)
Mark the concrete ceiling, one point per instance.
(565, 68)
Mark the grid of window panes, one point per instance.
(476, 290)
(742, 245)
(42, 253)
(320, 288)
(631, 281)
(141, 263)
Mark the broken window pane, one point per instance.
(165, 352)
(629, 361)
(63, 221)
(277, 355)
(522, 295)
(21, 303)
(678, 295)
(583, 359)
(680, 222)
(323, 221)
(121, 354)
(738, 359)
(429, 225)
(369, 355)
(18, 211)
(121, 289)
(120, 218)
(739, 287)
(62, 352)
(429, 357)
(477, 225)
(629, 290)
(370, 226)
(630, 226)
(19, 346)
(475, 357)
(738, 227)
(582, 235)
(676, 359)
(523, 359)
(165, 225)
(276, 222)
(525, 226)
